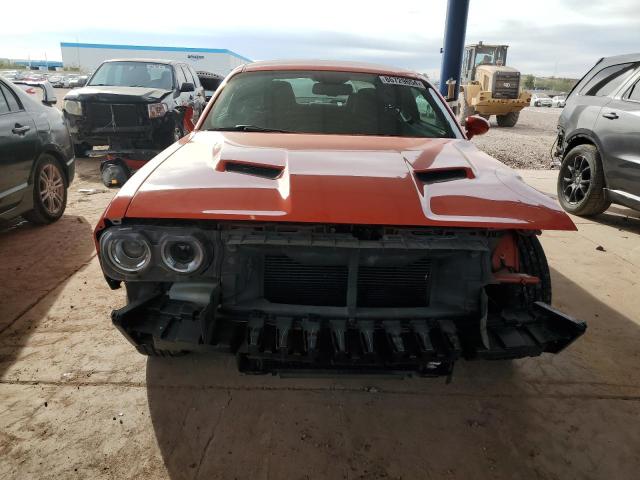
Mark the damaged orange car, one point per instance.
(333, 216)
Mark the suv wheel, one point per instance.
(581, 182)
(49, 192)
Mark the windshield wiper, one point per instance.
(249, 128)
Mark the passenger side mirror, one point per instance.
(187, 87)
(475, 125)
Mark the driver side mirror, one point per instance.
(187, 87)
(475, 125)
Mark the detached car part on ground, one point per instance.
(36, 155)
(333, 216)
(598, 140)
(133, 104)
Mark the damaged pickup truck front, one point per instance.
(333, 216)
(133, 104)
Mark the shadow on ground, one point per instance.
(35, 262)
(621, 218)
(545, 417)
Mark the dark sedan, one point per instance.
(599, 139)
(36, 156)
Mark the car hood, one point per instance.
(118, 94)
(334, 179)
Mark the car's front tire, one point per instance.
(49, 191)
(581, 182)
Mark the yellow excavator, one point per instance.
(488, 87)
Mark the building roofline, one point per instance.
(153, 49)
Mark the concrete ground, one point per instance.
(76, 400)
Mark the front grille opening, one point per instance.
(397, 286)
(112, 115)
(287, 281)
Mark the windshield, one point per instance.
(134, 74)
(343, 103)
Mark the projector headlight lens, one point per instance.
(182, 254)
(127, 252)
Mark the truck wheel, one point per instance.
(508, 119)
(49, 192)
(466, 110)
(581, 182)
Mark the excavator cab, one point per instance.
(479, 54)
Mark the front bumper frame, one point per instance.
(267, 343)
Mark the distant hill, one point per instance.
(531, 82)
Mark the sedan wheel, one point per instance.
(51, 188)
(49, 192)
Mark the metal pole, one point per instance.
(454, 35)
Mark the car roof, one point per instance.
(148, 60)
(329, 65)
(629, 57)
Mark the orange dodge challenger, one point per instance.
(334, 216)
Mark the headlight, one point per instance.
(157, 109)
(182, 254)
(126, 252)
(73, 107)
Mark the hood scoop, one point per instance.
(248, 168)
(443, 175)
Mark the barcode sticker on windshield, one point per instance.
(407, 82)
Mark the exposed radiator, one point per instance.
(402, 286)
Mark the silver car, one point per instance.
(540, 100)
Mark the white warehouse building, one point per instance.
(88, 56)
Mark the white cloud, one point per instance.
(407, 34)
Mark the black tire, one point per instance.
(508, 119)
(173, 135)
(151, 351)
(114, 175)
(49, 191)
(581, 182)
(534, 262)
(466, 110)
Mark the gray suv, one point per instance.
(599, 139)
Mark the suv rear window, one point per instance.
(607, 80)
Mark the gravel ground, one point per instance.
(528, 144)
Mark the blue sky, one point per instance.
(561, 37)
